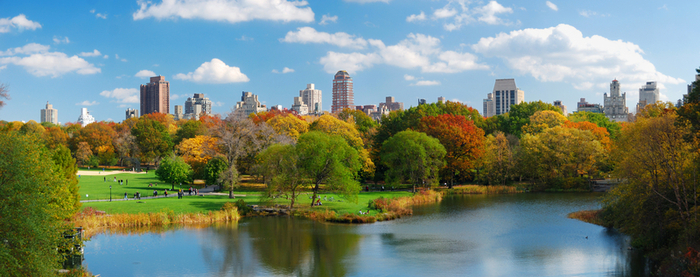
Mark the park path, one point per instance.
(204, 191)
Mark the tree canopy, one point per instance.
(413, 157)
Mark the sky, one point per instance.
(96, 54)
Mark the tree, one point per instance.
(328, 159)
(152, 138)
(190, 129)
(174, 170)
(462, 140)
(95, 134)
(542, 120)
(84, 153)
(229, 178)
(4, 94)
(519, 115)
(214, 168)
(413, 157)
(598, 119)
(289, 125)
(334, 126)
(197, 152)
(37, 202)
(499, 160)
(279, 164)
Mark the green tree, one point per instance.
(174, 170)
(413, 157)
(328, 159)
(498, 161)
(519, 115)
(598, 119)
(153, 139)
(190, 129)
(279, 165)
(229, 179)
(32, 189)
(214, 168)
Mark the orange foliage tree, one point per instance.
(197, 152)
(462, 140)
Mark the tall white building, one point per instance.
(197, 106)
(615, 105)
(300, 107)
(562, 107)
(505, 94)
(312, 98)
(178, 114)
(131, 113)
(648, 94)
(49, 114)
(249, 104)
(391, 104)
(85, 118)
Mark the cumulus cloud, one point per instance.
(426, 83)
(284, 70)
(416, 51)
(94, 53)
(145, 74)
(122, 95)
(552, 6)
(59, 40)
(458, 13)
(19, 22)
(563, 54)
(231, 11)
(87, 103)
(116, 56)
(216, 72)
(328, 18)
(408, 77)
(310, 35)
(416, 17)
(37, 60)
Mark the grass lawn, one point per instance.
(95, 187)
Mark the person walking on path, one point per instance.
(125, 197)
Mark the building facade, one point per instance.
(312, 98)
(299, 106)
(583, 106)
(562, 107)
(155, 96)
(249, 104)
(391, 104)
(197, 106)
(49, 114)
(178, 114)
(85, 118)
(615, 105)
(648, 94)
(343, 96)
(505, 94)
(131, 113)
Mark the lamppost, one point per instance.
(110, 193)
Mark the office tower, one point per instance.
(504, 94)
(312, 98)
(178, 114)
(343, 96)
(391, 104)
(300, 107)
(197, 106)
(155, 96)
(648, 94)
(249, 104)
(85, 118)
(49, 114)
(131, 113)
(615, 105)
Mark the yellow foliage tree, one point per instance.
(289, 125)
(197, 152)
(542, 120)
(334, 126)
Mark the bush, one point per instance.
(243, 209)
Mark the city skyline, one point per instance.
(96, 55)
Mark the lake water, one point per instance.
(474, 235)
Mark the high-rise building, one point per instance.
(312, 98)
(648, 94)
(249, 104)
(299, 106)
(584, 106)
(558, 104)
(504, 95)
(178, 114)
(391, 104)
(155, 96)
(441, 100)
(49, 114)
(343, 96)
(197, 106)
(615, 105)
(85, 118)
(131, 113)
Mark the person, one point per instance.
(139, 194)
(155, 193)
(127, 182)
(105, 178)
(166, 192)
(125, 197)
(115, 178)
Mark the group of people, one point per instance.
(120, 181)
(181, 193)
(137, 195)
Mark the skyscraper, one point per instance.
(196, 106)
(343, 97)
(249, 104)
(504, 94)
(155, 96)
(615, 105)
(131, 113)
(85, 118)
(648, 94)
(312, 98)
(49, 114)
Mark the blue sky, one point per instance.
(95, 54)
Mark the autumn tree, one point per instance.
(153, 139)
(598, 119)
(55, 137)
(413, 157)
(125, 143)
(215, 167)
(462, 140)
(174, 170)
(197, 152)
(519, 115)
(84, 153)
(499, 160)
(190, 129)
(96, 135)
(543, 120)
(289, 125)
(279, 165)
(3, 94)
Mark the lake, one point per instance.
(471, 235)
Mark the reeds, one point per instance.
(477, 189)
(589, 216)
(94, 221)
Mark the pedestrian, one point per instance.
(127, 182)
(155, 193)
(105, 178)
(166, 192)
(125, 197)
(196, 192)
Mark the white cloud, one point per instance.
(327, 18)
(218, 104)
(244, 38)
(94, 53)
(231, 11)
(87, 103)
(37, 60)
(426, 83)
(116, 56)
(417, 51)
(59, 40)
(215, 71)
(586, 13)
(462, 12)
(416, 17)
(145, 74)
(105, 56)
(122, 95)
(552, 6)
(310, 35)
(20, 22)
(563, 54)
(408, 77)
(284, 70)
(3, 67)
(367, 1)
(99, 15)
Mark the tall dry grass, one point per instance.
(94, 222)
(590, 216)
(477, 189)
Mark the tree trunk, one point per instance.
(313, 198)
(230, 194)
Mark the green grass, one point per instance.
(188, 204)
(95, 187)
